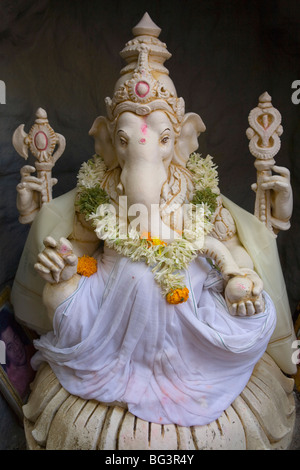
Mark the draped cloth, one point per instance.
(117, 339)
(56, 219)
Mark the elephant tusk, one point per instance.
(120, 189)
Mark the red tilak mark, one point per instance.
(144, 129)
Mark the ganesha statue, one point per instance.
(156, 297)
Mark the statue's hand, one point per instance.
(281, 193)
(243, 294)
(28, 189)
(57, 262)
(31, 192)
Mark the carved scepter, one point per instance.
(41, 141)
(263, 133)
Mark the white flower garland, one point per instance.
(204, 171)
(167, 260)
(91, 173)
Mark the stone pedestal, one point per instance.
(261, 418)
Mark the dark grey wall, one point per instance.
(64, 56)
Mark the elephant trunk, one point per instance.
(142, 183)
(219, 253)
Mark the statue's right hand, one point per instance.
(57, 262)
(28, 190)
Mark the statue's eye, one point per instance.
(123, 141)
(165, 139)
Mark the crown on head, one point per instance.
(144, 85)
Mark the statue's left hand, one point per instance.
(243, 294)
(281, 193)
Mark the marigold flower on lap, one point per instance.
(87, 265)
(178, 296)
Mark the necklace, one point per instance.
(167, 260)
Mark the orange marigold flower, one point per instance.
(157, 241)
(87, 265)
(150, 240)
(177, 296)
(145, 236)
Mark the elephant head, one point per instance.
(146, 128)
(143, 147)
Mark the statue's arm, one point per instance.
(225, 231)
(57, 263)
(83, 238)
(243, 291)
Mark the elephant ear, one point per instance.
(187, 142)
(103, 143)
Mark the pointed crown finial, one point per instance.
(146, 27)
(145, 85)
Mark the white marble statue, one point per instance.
(170, 315)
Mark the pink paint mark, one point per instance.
(144, 128)
(241, 286)
(64, 249)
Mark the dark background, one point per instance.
(64, 56)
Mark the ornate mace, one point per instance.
(263, 133)
(41, 141)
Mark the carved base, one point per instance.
(262, 417)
